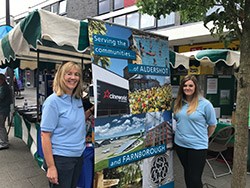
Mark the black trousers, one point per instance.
(193, 162)
(68, 169)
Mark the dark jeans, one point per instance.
(193, 162)
(68, 169)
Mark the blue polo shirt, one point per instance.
(64, 117)
(191, 130)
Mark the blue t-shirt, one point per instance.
(191, 130)
(64, 117)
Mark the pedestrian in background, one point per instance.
(63, 128)
(5, 101)
(196, 122)
(16, 87)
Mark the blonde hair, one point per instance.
(59, 86)
(181, 95)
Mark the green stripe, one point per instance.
(6, 47)
(18, 132)
(38, 159)
(31, 28)
(12, 64)
(28, 126)
(213, 55)
(29, 141)
(83, 40)
(172, 57)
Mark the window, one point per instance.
(54, 8)
(62, 7)
(120, 20)
(118, 4)
(133, 20)
(144, 21)
(147, 21)
(104, 6)
(168, 20)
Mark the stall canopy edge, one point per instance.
(208, 57)
(42, 24)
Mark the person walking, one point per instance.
(16, 87)
(195, 123)
(5, 101)
(63, 128)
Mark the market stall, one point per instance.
(124, 61)
(215, 71)
(40, 42)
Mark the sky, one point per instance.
(17, 6)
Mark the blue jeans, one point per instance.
(68, 169)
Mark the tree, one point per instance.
(234, 17)
(97, 27)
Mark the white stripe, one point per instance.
(24, 132)
(17, 41)
(233, 57)
(33, 132)
(1, 53)
(181, 60)
(33, 149)
(60, 29)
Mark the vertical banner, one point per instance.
(132, 97)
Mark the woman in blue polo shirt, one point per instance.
(196, 122)
(63, 128)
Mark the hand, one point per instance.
(52, 175)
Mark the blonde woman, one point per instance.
(63, 128)
(196, 122)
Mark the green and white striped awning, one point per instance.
(39, 25)
(206, 57)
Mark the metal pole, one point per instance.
(7, 17)
(82, 64)
(37, 88)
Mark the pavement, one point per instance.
(18, 168)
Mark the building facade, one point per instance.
(125, 12)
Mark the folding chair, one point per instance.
(218, 144)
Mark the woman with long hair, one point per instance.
(63, 128)
(196, 122)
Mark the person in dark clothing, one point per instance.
(16, 87)
(5, 101)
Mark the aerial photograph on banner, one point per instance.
(152, 55)
(129, 142)
(124, 139)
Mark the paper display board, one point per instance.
(132, 96)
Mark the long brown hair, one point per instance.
(181, 95)
(59, 86)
